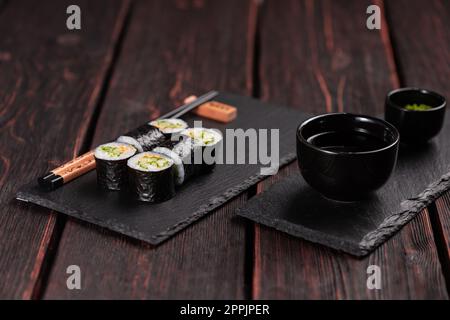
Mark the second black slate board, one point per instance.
(422, 175)
(155, 223)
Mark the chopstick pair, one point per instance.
(185, 108)
(86, 162)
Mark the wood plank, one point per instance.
(49, 88)
(165, 59)
(423, 50)
(326, 60)
(442, 230)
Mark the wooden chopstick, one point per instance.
(192, 105)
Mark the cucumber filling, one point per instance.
(166, 124)
(114, 151)
(147, 162)
(202, 136)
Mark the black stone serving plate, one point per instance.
(422, 174)
(154, 223)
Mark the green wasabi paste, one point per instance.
(417, 107)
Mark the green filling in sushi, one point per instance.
(170, 125)
(148, 162)
(203, 136)
(114, 151)
(165, 124)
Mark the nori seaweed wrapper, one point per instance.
(183, 146)
(111, 174)
(152, 186)
(148, 136)
(203, 152)
(191, 168)
(171, 135)
(205, 167)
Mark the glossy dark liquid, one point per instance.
(347, 141)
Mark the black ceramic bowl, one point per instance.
(345, 156)
(415, 127)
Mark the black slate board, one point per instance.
(422, 175)
(155, 223)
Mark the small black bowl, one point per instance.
(345, 156)
(415, 127)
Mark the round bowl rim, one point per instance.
(390, 103)
(381, 121)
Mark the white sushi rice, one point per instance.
(178, 163)
(134, 162)
(203, 136)
(131, 141)
(170, 125)
(114, 151)
(184, 149)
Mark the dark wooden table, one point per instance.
(62, 92)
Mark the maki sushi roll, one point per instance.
(111, 163)
(144, 138)
(169, 126)
(151, 177)
(181, 151)
(205, 143)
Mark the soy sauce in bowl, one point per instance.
(346, 141)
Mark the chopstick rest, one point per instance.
(214, 110)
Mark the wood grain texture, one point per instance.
(172, 49)
(2, 5)
(423, 50)
(326, 60)
(442, 229)
(323, 57)
(46, 73)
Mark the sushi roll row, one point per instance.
(152, 165)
